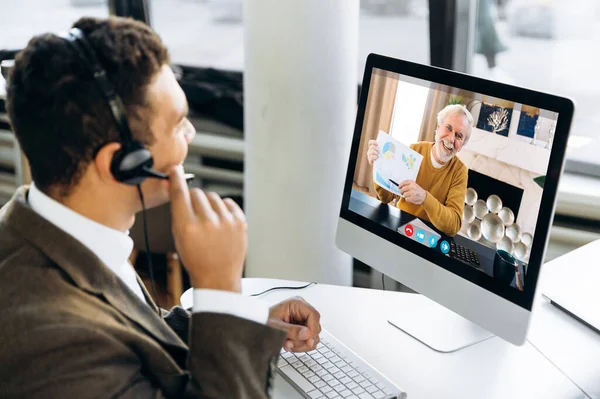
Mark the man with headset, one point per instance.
(102, 121)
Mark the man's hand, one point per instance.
(412, 192)
(301, 321)
(209, 234)
(372, 151)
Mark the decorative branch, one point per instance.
(498, 120)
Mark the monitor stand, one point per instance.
(435, 326)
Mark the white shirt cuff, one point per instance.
(216, 301)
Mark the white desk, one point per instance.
(491, 369)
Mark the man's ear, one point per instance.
(104, 159)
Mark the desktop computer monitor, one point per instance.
(450, 190)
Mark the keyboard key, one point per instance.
(338, 375)
(359, 378)
(297, 378)
(297, 364)
(310, 363)
(340, 364)
(320, 384)
(327, 365)
(304, 358)
(351, 385)
(287, 355)
(334, 370)
(322, 373)
(378, 395)
(329, 355)
(326, 389)
(315, 394)
(352, 374)
(339, 388)
(322, 360)
(345, 380)
(387, 391)
(358, 390)
(346, 369)
(333, 395)
(313, 380)
(317, 356)
(302, 369)
(365, 384)
(365, 395)
(333, 383)
(327, 377)
(334, 359)
(281, 362)
(345, 393)
(317, 368)
(371, 389)
(308, 374)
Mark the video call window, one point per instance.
(462, 172)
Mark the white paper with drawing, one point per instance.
(396, 161)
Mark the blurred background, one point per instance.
(548, 45)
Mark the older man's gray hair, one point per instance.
(456, 109)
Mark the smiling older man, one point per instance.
(438, 194)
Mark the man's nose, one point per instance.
(189, 136)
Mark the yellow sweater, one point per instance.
(446, 188)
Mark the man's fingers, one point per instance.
(181, 203)
(296, 332)
(218, 206)
(235, 209)
(298, 336)
(201, 204)
(313, 320)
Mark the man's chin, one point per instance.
(157, 197)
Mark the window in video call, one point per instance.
(463, 171)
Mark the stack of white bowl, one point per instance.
(488, 221)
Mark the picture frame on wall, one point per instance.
(527, 121)
(495, 119)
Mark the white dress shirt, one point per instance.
(113, 248)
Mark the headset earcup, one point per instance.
(128, 165)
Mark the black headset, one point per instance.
(132, 164)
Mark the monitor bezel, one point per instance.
(563, 106)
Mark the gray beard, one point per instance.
(444, 158)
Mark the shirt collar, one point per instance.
(111, 246)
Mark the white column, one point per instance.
(300, 88)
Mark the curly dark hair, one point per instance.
(56, 109)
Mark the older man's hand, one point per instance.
(300, 320)
(412, 192)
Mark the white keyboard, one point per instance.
(334, 371)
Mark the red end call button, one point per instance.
(409, 230)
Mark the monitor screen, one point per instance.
(455, 176)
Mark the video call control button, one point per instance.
(445, 247)
(432, 241)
